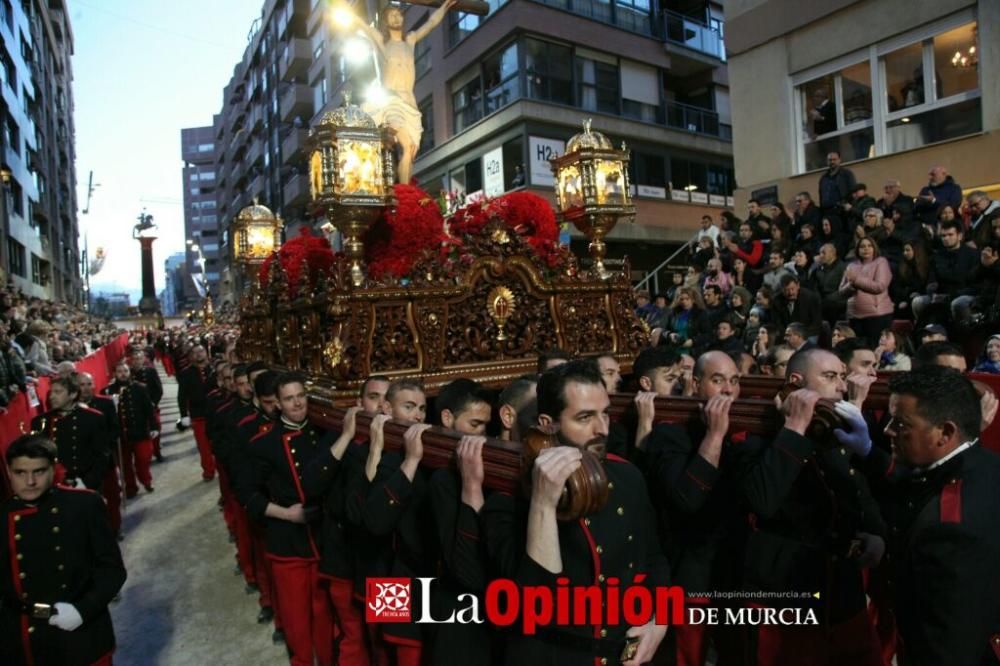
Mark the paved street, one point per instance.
(182, 604)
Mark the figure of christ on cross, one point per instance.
(399, 111)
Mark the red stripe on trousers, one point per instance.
(305, 611)
(136, 459)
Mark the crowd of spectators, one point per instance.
(847, 266)
(36, 335)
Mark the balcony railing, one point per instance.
(694, 34)
(692, 119)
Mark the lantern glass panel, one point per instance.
(260, 242)
(570, 188)
(610, 182)
(360, 168)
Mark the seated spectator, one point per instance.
(775, 361)
(984, 212)
(739, 306)
(743, 276)
(859, 205)
(940, 191)
(870, 225)
(708, 230)
(806, 212)
(841, 331)
(797, 303)
(677, 280)
(891, 352)
(990, 360)
(694, 277)
(776, 270)
(748, 248)
(866, 286)
(686, 320)
(828, 233)
(726, 340)
(752, 330)
(894, 201)
(714, 275)
(952, 267)
(780, 217)
(801, 264)
(932, 333)
(910, 278)
(767, 337)
(807, 241)
(644, 309)
(703, 252)
(715, 308)
(890, 242)
(986, 280)
(762, 304)
(779, 243)
(795, 337)
(756, 217)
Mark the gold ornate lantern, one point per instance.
(255, 233)
(351, 175)
(592, 189)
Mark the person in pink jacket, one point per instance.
(866, 284)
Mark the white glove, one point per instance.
(186, 421)
(153, 434)
(67, 617)
(858, 439)
(80, 484)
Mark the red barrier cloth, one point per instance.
(17, 420)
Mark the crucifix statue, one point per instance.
(395, 49)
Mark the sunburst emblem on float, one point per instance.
(500, 305)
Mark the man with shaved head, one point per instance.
(111, 489)
(816, 525)
(941, 190)
(194, 384)
(702, 524)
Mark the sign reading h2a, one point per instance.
(493, 173)
(540, 151)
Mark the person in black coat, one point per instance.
(59, 568)
(797, 303)
(943, 511)
(144, 372)
(528, 544)
(138, 425)
(79, 433)
(193, 385)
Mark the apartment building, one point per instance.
(40, 248)
(896, 86)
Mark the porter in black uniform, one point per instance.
(60, 566)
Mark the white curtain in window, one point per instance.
(640, 83)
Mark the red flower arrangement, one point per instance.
(314, 251)
(528, 215)
(399, 238)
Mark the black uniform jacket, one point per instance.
(325, 482)
(136, 413)
(279, 456)
(393, 507)
(150, 378)
(193, 386)
(82, 441)
(58, 549)
(808, 505)
(105, 405)
(943, 550)
(241, 469)
(702, 516)
(617, 542)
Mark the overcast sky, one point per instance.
(144, 69)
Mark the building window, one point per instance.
(36, 270)
(461, 25)
(467, 104)
(427, 122)
(502, 83)
(15, 254)
(15, 197)
(12, 135)
(597, 84)
(649, 169)
(923, 92)
(422, 57)
(8, 14)
(549, 70)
